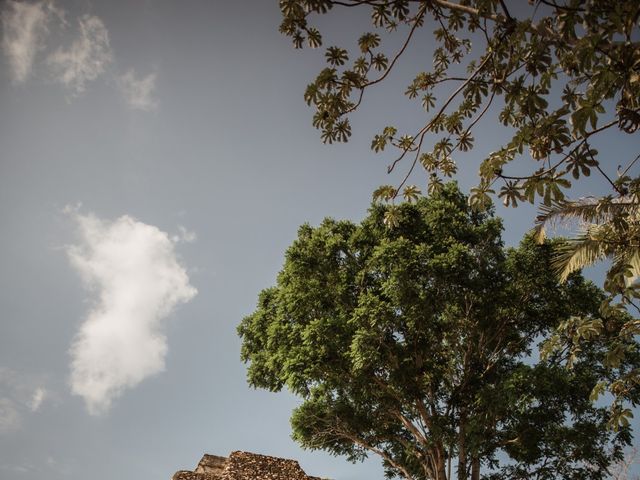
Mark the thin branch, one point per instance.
(413, 165)
(565, 157)
(615, 187)
(378, 452)
(362, 88)
(456, 79)
(548, 170)
(505, 10)
(561, 7)
(420, 438)
(629, 166)
(416, 22)
(357, 3)
(464, 8)
(476, 120)
(630, 302)
(426, 128)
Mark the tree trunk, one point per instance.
(462, 452)
(441, 466)
(442, 473)
(475, 468)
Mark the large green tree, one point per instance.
(554, 76)
(416, 344)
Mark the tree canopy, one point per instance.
(416, 344)
(555, 75)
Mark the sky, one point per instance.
(157, 160)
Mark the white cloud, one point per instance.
(19, 395)
(132, 269)
(37, 398)
(138, 92)
(184, 235)
(87, 57)
(10, 418)
(25, 26)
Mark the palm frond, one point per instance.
(610, 227)
(579, 252)
(634, 262)
(587, 210)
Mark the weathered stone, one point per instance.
(211, 464)
(244, 466)
(187, 475)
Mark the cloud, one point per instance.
(138, 92)
(37, 398)
(35, 465)
(18, 396)
(10, 418)
(184, 235)
(25, 26)
(87, 57)
(136, 279)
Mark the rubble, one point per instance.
(244, 466)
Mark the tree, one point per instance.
(622, 469)
(414, 343)
(557, 73)
(557, 82)
(610, 229)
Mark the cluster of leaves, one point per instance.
(557, 83)
(562, 79)
(610, 229)
(414, 343)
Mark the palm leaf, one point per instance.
(634, 262)
(610, 228)
(587, 210)
(579, 252)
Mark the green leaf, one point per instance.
(314, 38)
(597, 391)
(392, 217)
(336, 56)
(368, 42)
(385, 193)
(411, 193)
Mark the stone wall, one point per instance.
(244, 466)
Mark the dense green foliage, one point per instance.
(555, 73)
(415, 343)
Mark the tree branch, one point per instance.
(615, 187)
(583, 140)
(426, 128)
(464, 8)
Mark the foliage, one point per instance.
(610, 228)
(556, 73)
(414, 343)
(556, 81)
(623, 469)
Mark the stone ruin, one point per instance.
(244, 466)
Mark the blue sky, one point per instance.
(161, 139)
